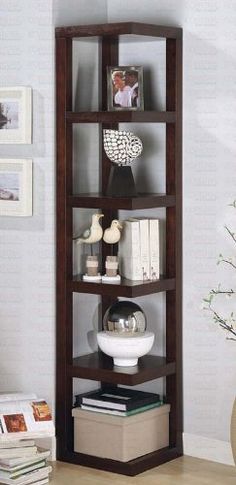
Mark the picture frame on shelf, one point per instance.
(16, 115)
(15, 187)
(125, 88)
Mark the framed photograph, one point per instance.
(15, 187)
(15, 115)
(125, 88)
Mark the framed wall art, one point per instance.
(15, 187)
(15, 115)
(125, 88)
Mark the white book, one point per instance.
(129, 251)
(16, 463)
(101, 410)
(26, 451)
(25, 419)
(21, 471)
(7, 444)
(16, 396)
(144, 246)
(34, 477)
(41, 482)
(154, 245)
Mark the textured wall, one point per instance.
(27, 310)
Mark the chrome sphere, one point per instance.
(125, 318)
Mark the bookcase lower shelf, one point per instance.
(99, 367)
(131, 468)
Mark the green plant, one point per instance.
(226, 323)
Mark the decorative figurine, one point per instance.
(112, 234)
(122, 148)
(92, 234)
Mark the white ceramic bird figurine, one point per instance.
(92, 234)
(112, 234)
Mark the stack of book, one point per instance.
(139, 249)
(23, 463)
(119, 401)
(24, 418)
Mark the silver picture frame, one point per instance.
(125, 88)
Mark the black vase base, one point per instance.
(121, 182)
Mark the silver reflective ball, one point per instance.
(125, 318)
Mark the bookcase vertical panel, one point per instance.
(64, 244)
(174, 237)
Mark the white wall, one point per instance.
(27, 309)
(27, 313)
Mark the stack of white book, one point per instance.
(24, 418)
(23, 463)
(139, 249)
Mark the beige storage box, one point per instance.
(121, 438)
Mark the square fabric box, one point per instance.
(121, 438)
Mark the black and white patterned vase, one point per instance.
(121, 147)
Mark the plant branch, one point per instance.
(231, 233)
(228, 262)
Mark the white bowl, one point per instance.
(125, 350)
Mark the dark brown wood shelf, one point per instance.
(130, 468)
(127, 288)
(99, 367)
(120, 28)
(121, 117)
(142, 201)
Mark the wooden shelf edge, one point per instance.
(98, 367)
(121, 116)
(120, 28)
(131, 468)
(100, 201)
(128, 289)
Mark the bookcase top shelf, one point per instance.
(100, 201)
(121, 116)
(99, 367)
(120, 28)
(127, 288)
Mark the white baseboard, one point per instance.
(48, 444)
(194, 445)
(208, 449)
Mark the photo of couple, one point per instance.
(125, 88)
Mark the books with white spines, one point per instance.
(36, 477)
(41, 482)
(154, 249)
(129, 251)
(27, 418)
(115, 412)
(26, 452)
(17, 462)
(17, 396)
(8, 444)
(23, 470)
(144, 246)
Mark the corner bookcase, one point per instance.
(97, 366)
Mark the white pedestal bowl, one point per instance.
(125, 350)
